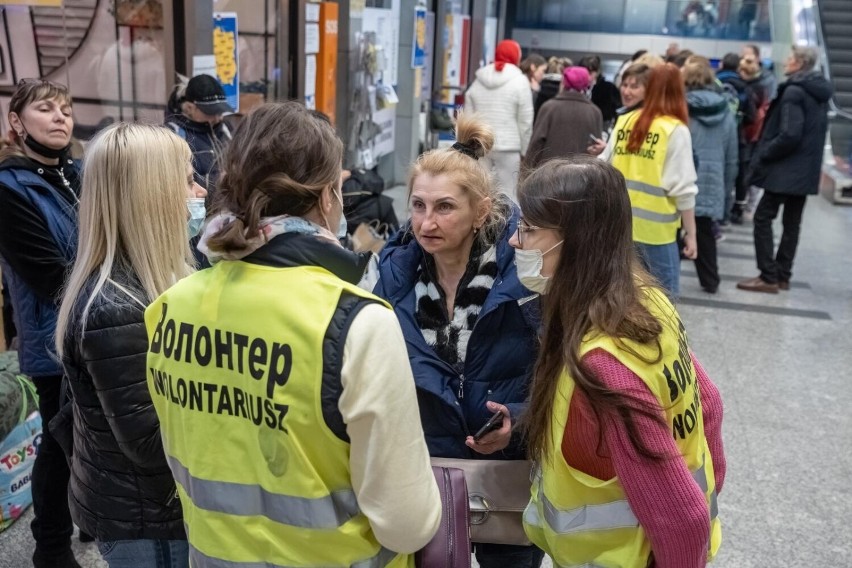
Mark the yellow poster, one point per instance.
(56, 3)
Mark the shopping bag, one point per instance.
(17, 456)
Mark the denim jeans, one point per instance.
(508, 556)
(145, 553)
(663, 262)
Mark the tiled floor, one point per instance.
(783, 365)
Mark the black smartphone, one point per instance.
(494, 423)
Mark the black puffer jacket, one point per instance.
(788, 157)
(121, 487)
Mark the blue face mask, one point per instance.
(197, 213)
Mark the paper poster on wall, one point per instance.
(489, 40)
(455, 56)
(312, 12)
(418, 44)
(225, 41)
(385, 23)
(312, 38)
(204, 65)
(426, 91)
(384, 142)
(311, 82)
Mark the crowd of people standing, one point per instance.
(280, 406)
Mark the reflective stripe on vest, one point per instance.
(655, 217)
(606, 516)
(198, 558)
(250, 500)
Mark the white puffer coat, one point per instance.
(504, 100)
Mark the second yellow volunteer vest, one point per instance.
(655, 215)
(580, 520)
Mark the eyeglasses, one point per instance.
(524, 227)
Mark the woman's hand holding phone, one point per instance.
(495, 440)
(597, 145)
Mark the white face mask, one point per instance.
(529, 263)
(342, 226)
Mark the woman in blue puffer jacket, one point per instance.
(469, 323)
(714, 141)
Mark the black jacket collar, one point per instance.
(296, 249)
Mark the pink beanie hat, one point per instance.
(576, 78)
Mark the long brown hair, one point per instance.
(29, 91)
(597, 285)
(663, 97)
(280, 160)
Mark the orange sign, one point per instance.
(327, 60)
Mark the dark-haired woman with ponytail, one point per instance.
(626, 426)
(286, 411)
(469, 324)
(651, 146)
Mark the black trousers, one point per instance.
(706, 264)
(777, 266)
(52, 526)
(741, 187)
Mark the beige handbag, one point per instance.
(498, 491)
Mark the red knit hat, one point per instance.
(508, 51)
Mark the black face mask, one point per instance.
(40, 148)
(43, 150)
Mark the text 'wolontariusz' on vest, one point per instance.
(202, 347)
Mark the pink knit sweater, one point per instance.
(668, 503)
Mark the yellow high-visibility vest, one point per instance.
(235, 370)
(655, 215)
(580, 520)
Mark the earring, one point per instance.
(475, 230)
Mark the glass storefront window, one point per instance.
(110, 54)
(712, 19)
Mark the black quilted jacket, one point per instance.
(121, 487)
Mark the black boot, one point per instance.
(64, 560)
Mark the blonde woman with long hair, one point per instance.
(133, 245)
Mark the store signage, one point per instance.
(225, 49)
(418, 45)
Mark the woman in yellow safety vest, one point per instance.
(626, 429)
(285, 397)
(651, 146)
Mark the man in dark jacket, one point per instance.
(787, 164)
(203, 105)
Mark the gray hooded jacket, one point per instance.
(714, 142)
